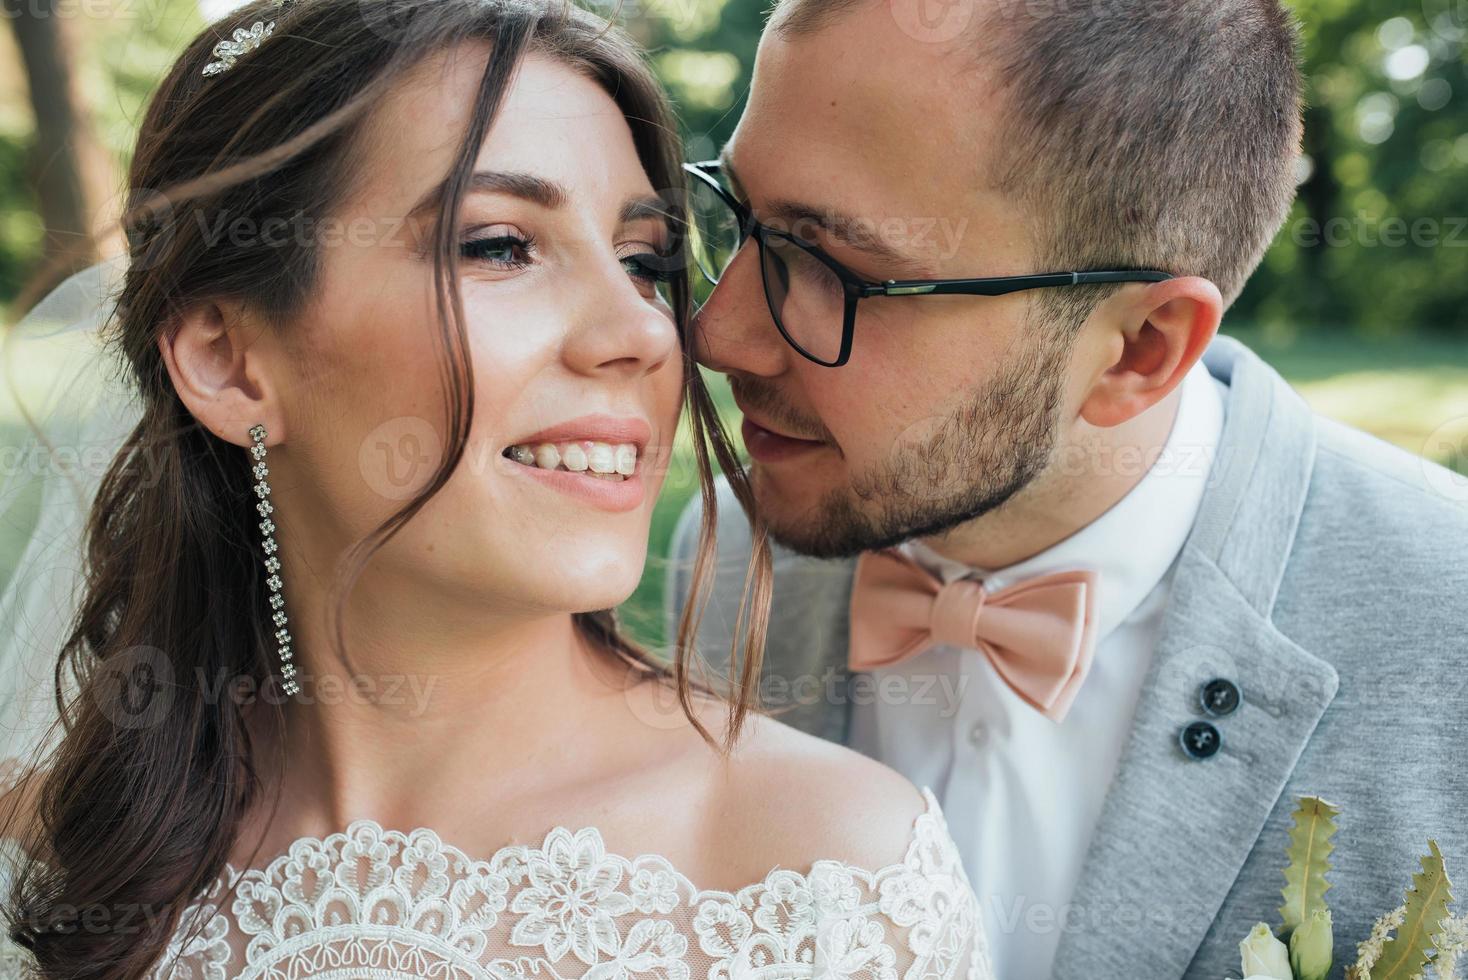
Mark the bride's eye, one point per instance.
(650, 268)
(503, 251)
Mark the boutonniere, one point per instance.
(1418, 935)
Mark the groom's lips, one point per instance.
(767, 446)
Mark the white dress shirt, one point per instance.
(1022, 794)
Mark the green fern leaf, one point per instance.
(1309, 855)
(1405, 954)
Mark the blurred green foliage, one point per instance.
(122, 50)
(1377, 244)
(1387, 140)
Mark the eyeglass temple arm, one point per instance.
(999, 285)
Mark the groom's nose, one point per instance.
(733, 332)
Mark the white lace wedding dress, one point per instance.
(375, 904)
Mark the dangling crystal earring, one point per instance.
(272, 562)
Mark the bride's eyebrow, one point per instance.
(546, 193)
(538, 190)
(649, 207)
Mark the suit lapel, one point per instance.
(1174, 831)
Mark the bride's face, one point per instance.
(572, 344)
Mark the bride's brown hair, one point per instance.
(129, 823)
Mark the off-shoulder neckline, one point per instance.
(561, 836)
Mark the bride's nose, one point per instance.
(616, 327)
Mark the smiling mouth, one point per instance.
(613, 462)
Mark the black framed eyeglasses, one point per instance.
(810, 293)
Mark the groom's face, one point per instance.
(869, 140)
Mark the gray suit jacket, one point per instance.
(1327, 576)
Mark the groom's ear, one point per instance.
(219, 368)
(1148, 341)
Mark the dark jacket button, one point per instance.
(1200, 740)
(1220, 697)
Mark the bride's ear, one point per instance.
(219, 360)
(1149, 344)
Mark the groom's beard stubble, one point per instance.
(940, 473)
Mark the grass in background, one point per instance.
(1412, 392)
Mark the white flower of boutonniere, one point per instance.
(1264, 957)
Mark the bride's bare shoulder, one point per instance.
(781, 799)
(789, 798)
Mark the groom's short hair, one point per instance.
(1138, 133)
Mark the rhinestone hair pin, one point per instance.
(243, 42)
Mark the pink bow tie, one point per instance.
(1039, 634)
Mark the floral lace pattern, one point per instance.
(375, 904)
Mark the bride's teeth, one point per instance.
(574, 458)
(602, 458)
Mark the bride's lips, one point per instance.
(768, 446)
(614, 496)
(608, 495)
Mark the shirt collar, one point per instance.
(1133, 544)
